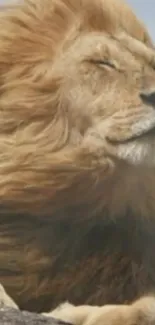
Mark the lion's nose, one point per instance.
(148, 97)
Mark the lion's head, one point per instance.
(77, 84)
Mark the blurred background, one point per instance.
(145, 10)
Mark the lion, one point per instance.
(77, 158)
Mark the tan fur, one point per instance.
(140, 312)
(5, 300)
(73, 135)
(57, 108)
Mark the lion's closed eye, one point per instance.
(103, 63)
(107, 63)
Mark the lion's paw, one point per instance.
(141, 312)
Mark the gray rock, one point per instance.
(10, 316)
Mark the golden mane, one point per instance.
(34, 129)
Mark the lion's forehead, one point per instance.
(120, 47)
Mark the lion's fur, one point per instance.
(35, 127)
(61, 192)
(139, 312)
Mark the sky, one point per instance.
(145, 10)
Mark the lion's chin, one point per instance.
(142, 135)
(138, 151)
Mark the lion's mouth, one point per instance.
(143, 134)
